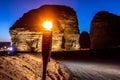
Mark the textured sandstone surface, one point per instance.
(29, 67)
(105, 30)
(28, 29)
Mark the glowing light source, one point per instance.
(10, 48)
(47, 25)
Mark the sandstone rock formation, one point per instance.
(84, 40)
(105, 30)
(28, 29)
(29, 67)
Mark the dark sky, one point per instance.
(12, 10)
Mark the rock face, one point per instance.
(84, 40)
(105, 30)
(28, 29)
(29, 67)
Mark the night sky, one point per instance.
(12, 10)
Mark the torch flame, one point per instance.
(47, 25)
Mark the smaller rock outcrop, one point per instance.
(84, 40)
(105, 30)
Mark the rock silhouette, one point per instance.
(26, 33)
(105, 30)
(84, 40)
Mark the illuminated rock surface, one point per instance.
(29, 67)
(28, 29)
(105, 30)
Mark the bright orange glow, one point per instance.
(47, 25)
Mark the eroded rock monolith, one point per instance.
(26, 33)
(105, 30)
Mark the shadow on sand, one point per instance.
(98, 54)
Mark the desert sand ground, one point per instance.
(29, 67)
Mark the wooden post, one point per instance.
(46, 50)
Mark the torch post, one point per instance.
(46, 50)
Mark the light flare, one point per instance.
(47, 25)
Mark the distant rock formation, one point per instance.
(26, 33)
(84, 40)
(105, 30)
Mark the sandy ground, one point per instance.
(93, 70)
(29, 67)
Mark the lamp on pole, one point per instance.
(46, 45)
